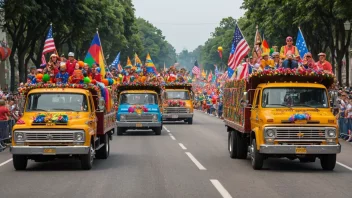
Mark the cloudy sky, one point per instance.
(187, 23)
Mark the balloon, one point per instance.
(220, 49)
(105, 81)
(272, 50)
(39, 76)
(86, 80)
(110, 81)
(46, 78)
(98, 69)
(81, 64)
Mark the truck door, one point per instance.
(255, 112)
(92, 117)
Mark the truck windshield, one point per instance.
(134, 99)
(57, 102)
(179, 95)
(294, 97)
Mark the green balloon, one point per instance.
(271, 50)
(46, 78)
(86, 80)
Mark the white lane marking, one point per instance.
(172, 137)
(5, 162)
(220, 188)
(182, 146)
(343, 165)
(195, 161)
(168, 131)
(165, 128)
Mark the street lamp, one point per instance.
(347, 25)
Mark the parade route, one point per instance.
(185, 161)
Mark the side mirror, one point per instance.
(245, 96)
(101, 104)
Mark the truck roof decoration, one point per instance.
(139, 86)
(287, 75)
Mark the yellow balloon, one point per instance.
(220, 48)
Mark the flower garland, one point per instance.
(176, 103)
(139, 109)
(292, 72)
(299, 116)
(50, 118)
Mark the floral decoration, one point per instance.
(299, 116)
(50, 118)
(176, 103)
(139, 109)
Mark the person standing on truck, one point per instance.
(71, 63)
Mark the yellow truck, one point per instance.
(61, 121)
(281, 114)
(178, 103)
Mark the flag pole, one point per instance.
(102, 52)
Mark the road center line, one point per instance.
(195, 161)
(5, 162)
(165, 128)
(220, 188)
(343, 165)
(182, 146)
(172, 137)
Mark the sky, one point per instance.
(186, 24)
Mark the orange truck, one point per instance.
(61, 121)
(281, 116)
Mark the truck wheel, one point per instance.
(120, 131)
(104, 151)
(190, 120)
(87, 159)
(19, 162)
(242, 147)
(257, 159)
(328, 161)
(157, 130)
(232, 144)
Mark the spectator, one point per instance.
(342, 102)
(349, 118)
(220, 108)
(4, 114)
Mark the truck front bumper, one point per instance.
(49, 150)
(177, 116)
(138, 124)
(294, 149)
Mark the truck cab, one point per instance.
(61, 122)
(178, 103)
(139, 108)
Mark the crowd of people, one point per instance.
(343, 104)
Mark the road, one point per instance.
(185, 161)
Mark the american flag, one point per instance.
(49, 45)
(239, 49)
(243, 73)
(196, 70)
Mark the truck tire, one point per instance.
(232, 144)
(328, 162)
(19, 162)
(190, 120)
(257, 159)
(87, 159)
(104, 151)
(120, 131)
(157, 130)
(242, 147)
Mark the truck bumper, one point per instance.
(177, 116)
(138, 124)
(53, 150)
(291, 149)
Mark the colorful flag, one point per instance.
(95, 55)
(116, 62)
(301, 44)
(257, 51)
(195, 69)
(239, 49)
(129, 62)
(49, 44)
(243, 72)
(150, 67)
(229, 73)
(265, 46)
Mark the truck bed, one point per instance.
(106, 122)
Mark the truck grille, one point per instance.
(139, 118)
(49, 135)
(175, 110)
(300, 133)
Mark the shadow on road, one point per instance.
(142, 133)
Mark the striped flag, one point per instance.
(116, 62)
(49, 45)
(243, 73)
(195, 69)
(239, 49)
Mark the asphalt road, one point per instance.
(185, 161)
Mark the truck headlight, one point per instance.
(331, 133)
(155, 118)
(19, 137)
(270, 133)
(79, 136)
(122, 118)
